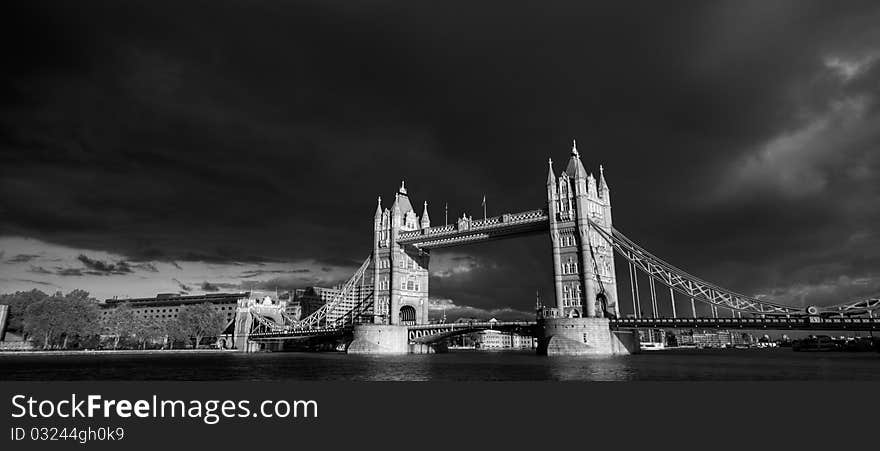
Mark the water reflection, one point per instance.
(457, 366)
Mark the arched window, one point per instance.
(407, 315)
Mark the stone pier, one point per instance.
(243, 323)
(380, 339)
(584, 336)
(4, 314)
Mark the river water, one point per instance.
(690, 365)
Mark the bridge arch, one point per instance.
(602, 305)
(407, 315)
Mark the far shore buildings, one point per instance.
(491, 339)
(496, 340)
(166, 306)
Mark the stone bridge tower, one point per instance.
(400, 274)
(583, 263)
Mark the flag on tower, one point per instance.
(484, 206)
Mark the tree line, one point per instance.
(74, 321)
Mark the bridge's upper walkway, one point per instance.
(466, 231)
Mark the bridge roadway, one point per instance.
(427, 333)
(770, 323)
(421, 333)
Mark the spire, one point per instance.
(426, 221)
(575, 168)
(402, 198)
(551, 178)
(603, 185)
(396, 205)
(591, 185)
(379, 208)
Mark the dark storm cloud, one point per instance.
(738, 137)
(184, 288)
(260, 272)
(210, 287)
(39, 270)
(100, 267)
(37, 282)
(58, 270)
(21, 258)
(70, 272)
(146, 266)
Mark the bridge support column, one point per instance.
(4, 313)
(379, 339)
(241, 334)
(584, 336)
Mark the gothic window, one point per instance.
(410, 285)
(570, 267)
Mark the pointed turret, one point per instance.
(551, 178)
(403, 199)
(396, 214)
(603, 185)
(591, 186)
(379, 209)
(426, 221)
(575, 168)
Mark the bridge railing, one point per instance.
(685, 283)
(800, 322)
(699, 289)
(320, 318)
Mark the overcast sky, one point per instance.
(189, 146)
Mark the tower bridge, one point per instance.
(383, 307)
